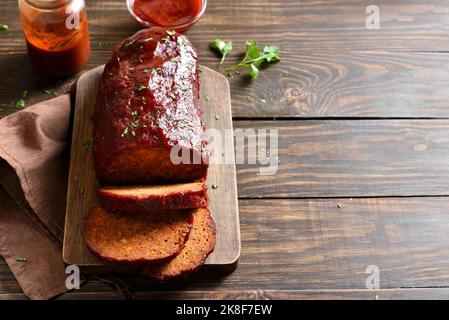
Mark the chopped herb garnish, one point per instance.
(263, 101)
(156, 70)
(208, 98)
(214, 186)
(157, 107)
(21, 259)
(171, 33)
(217, 117)
(87, 143)
(254, 58)
(3, 27)
(46, 91)
(21, 102)
(182, 124)
(131, 68)
(81, 190)
(174, 60)
(148, 39)
(125, 132)
(145, 71)
(185, 88)
(130, 42)
(134, 113)
(250, 98)
(166, 40)
(135, 124)
(222, 47)
(141, 87)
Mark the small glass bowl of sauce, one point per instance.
(179, 15)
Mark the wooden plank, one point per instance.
(351, 159)
(303, 85)
(318, 244)
(386, 294)
(333, 25)
(314, 79)
(222, 202)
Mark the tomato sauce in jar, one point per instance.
(56, 34)
(178, 14)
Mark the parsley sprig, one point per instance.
(222, 47)
(254, 58)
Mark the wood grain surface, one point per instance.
(320, 244)
(82, 185)
(352, 159)
(362, 117)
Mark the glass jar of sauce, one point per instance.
(56, 34)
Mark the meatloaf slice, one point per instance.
(152, 199)
(148, 103)
(138, 238)
(200, 244)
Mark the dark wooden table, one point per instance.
(363, 119)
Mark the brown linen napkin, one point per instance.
(33, 184)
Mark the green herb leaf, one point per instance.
(171, 33)
(125, 132)
(148, 39)
(254, 58)
(130, 42)
(87, 143)
(182, 124)
(134, 113)
(21, 259)
(21, 102)
(49, 92)
(253, 71)
(208, 98)
(222, 47)
(3, 27)
(141, 87)
(81, 190)
(135, 124)
(174, 60)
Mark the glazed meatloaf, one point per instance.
(153, 199)
(200, 244)
(148, 103)
(136, 239)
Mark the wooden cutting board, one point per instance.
(81, 195)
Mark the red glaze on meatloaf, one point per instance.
(147, 103)
(200, 244)
(136, 239)
(152, 199)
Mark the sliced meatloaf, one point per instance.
(136, 239)
(148, 103)
(200, 244)
(153, 199)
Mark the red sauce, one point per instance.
(167, 13)
(54, 49)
